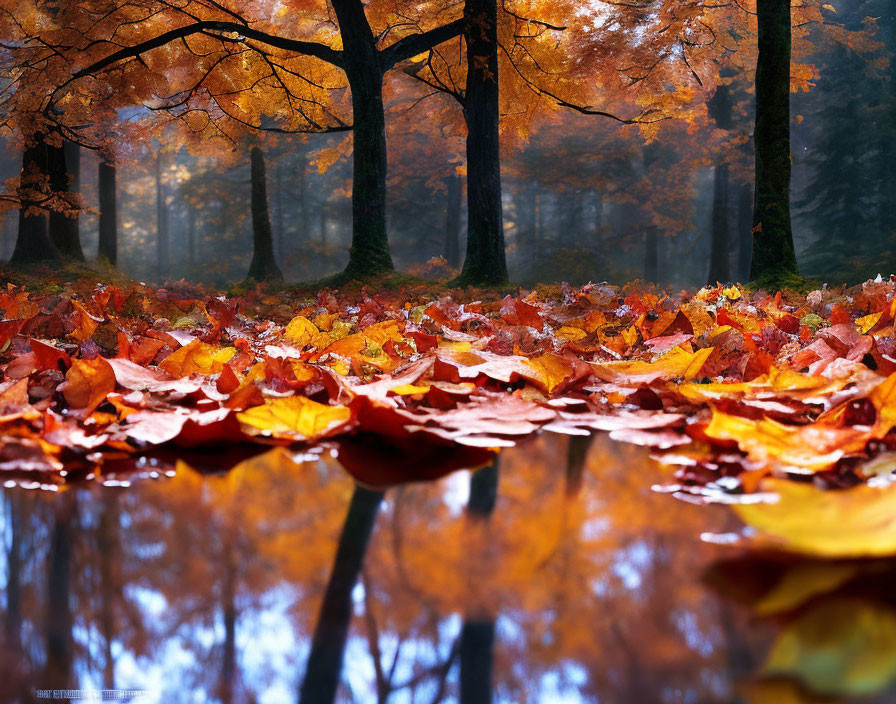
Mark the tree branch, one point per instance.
(415, 44)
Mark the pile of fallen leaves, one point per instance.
(730, 387)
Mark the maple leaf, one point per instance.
(294, 417)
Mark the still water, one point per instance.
(557, 576)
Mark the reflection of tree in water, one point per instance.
(588, 592)
(324, 667)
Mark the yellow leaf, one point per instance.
(676, 363)
(302, 371)
(456, 346)
(294, 417)
(856, 522)
(809, 448)
(197, 358)
(550, 371)
(732, 293)
(867, 322)
(883, 396)
(408, 390)
(300, 331)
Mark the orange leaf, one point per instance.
(87, 383)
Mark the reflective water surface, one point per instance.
(557, 576)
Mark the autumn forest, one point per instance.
(466, 351)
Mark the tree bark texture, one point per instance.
(64, 166)
(33, 242)
(324, 666)
(485, 262)
(264, 264)
(774, 257)
(108, 224)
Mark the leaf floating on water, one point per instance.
(856, 522)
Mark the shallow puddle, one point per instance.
(572, 582)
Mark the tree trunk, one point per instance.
(744, 235)
(191, 235)
(162, 256)
(64, 166)
(452, 220)
(59, 621)
(33, 242)
(227, 685)
(651, 254)
(108, 225)
(576, 454)
(719, 256)
(324, 665)
(369, 253)
(108, 547)
(774, 257)
(281, 237)
(485, 261)
(264, 264)
(478, 633)
(302, 220)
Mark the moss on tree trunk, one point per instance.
(774, 257)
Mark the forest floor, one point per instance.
(748, 397)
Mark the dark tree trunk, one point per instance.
(33, 242)
(485, 262)
(651, 254)
(264, 264)
(369, 253)
(108, 547)
(744, 234)
(720, 240)
(162, 256)
(477, 639)
(65, 165)
(108, 225)
(452, 220)
(191, 236)
(576, 454)
(281, 237)
(719, 254)
(302, 220)
(774, 257)
(572, 219)
(227, 685)
(59, 622)
(324, 666)
(478, 633)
